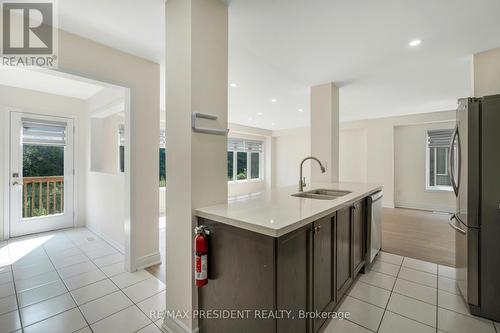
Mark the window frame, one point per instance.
(235, 152)
(435, 188)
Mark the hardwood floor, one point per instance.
(418, 234)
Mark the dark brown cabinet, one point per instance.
(292, 278)
(344, 251)
(359, 244)
(305, 271)
(324, 291)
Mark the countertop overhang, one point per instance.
(276, 212)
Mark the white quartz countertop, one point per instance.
(275, 212)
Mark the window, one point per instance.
(438, 154)
(163, 158)
(244, 159)
(162, 152)
(230, 165)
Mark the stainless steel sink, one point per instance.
(321, 194)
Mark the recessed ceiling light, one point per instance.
(259, 113)
(233, 85)
(300, 110)
(272, 124)
(250, 118)
(415, 43)
(274, 100)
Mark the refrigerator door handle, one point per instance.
(454, 225)
(455, 185)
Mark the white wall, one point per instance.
(106, 206)
(410, 162)
(380, 147)
(290, 147)
(105, 184)
(100, 62)
(353, 155)
(104, 150)
(325, 131)
(258, 134)
(33, 101)
(196, 80)
(486, 71)
(366, 152)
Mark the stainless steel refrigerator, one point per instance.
(475, 173)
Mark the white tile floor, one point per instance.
(73, 281)
(407, 295)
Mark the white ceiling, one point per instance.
(47, 82)
(279, 48)
(133, 26)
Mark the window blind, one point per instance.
(251, 146)
(439, 138)
(44, 132)
(121, 132)
(163, 139)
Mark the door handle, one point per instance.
(455, 185)
(454, 226)
(17, 183)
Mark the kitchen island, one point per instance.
(283, 261)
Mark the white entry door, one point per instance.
(41, 173)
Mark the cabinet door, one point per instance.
(292, 279)
(344, 251)
(359, 221)
(324, 293)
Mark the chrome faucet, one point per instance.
(302, 180)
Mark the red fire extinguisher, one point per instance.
(201, 255)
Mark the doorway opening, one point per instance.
(41, 171)
(66, 152)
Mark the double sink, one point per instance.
(321, 194)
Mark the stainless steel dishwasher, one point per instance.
(374, 225)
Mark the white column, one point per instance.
(196, 80)
(325, 131)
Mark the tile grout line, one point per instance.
(120, 289)
(394, 292)
(17, 301)
(98, 268)
(16, 293)
(411, 319)
(421, 284)
(390, 295)
(437, 299)
(364, 301)
(107, 278)
(70, 294)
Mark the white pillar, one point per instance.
(325, 131)
(196, 80)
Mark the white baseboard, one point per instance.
(431, 208)
(111, 242)
(172, 325)
(387, 204)
(148, 260)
